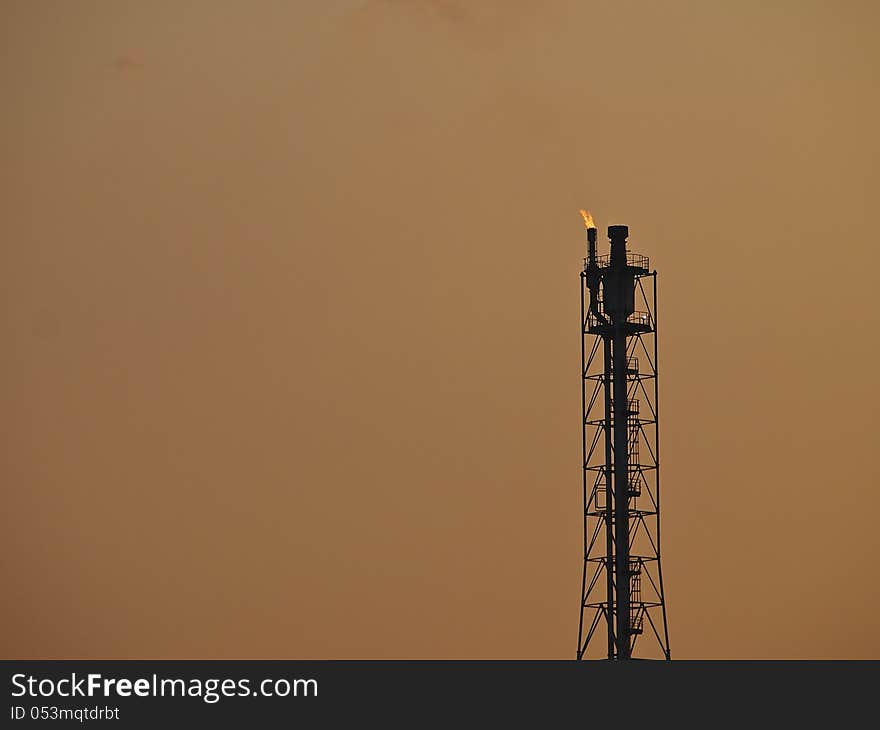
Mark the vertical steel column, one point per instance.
(666, 650)
(621, 491)
(609, 500)
(583, 456)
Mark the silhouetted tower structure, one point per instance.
(622, 589)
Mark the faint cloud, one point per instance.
(126, 62)
(453, 11)
(485, 23)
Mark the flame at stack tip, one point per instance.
(588, 219)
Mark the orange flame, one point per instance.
(588, 219)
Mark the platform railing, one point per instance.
(632, 259)
(640, 318)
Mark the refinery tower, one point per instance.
(623, 611)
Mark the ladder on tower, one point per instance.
(637, 608)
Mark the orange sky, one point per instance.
(290, 321)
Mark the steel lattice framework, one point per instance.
(622, 588)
